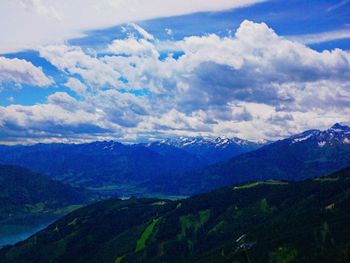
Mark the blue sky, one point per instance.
(252, 69)
(287, 18)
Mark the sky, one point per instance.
(140, 70)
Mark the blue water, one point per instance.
(22, 233)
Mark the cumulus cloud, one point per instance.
(75, 85)
(20, 71)
(63, 100)
(254, 84)
(105, 114)
(133, 46)
(74, 60)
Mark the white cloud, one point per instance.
(106, 115)
(75, 85)
(20, 71)
(322, 37)
(133, 46)
(169, 31)
(43, 117)
(337, 5)
(74, 60)
(28, 24)
(254, 85)
(10, 99)
(142, 32)
(38, 7)
(63, 100)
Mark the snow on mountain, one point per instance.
(209, 149)
(218, 142)
(337, 134)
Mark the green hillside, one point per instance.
(29, 200)
(289, 221)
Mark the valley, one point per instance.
(271, 189)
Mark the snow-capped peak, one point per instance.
(218, 142)
(337, 134)
(339, 128)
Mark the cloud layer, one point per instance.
(30, 23)
(254, 84)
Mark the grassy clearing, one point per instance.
(255, 184)
(326, 179)
(159, 203)
(141, 243)
(264, 206)
(73, 222)
(194, 222)
(66, 210)
(36, 208)
(217, 227)
(119, 259)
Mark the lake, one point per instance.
(11, 234)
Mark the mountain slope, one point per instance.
(309, 154)
(21, 187)
(289, 221)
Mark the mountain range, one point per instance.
(112, 167)
(184, 166)
(274, 221)
(211, 150)
(305, 155)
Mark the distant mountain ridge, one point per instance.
(337, 134)
(184, 166)
(308, 154)
(212, 149)
(111, 166)
(184, 142)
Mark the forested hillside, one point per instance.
(281, 221)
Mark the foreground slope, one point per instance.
(289, 221)
(309, 154)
